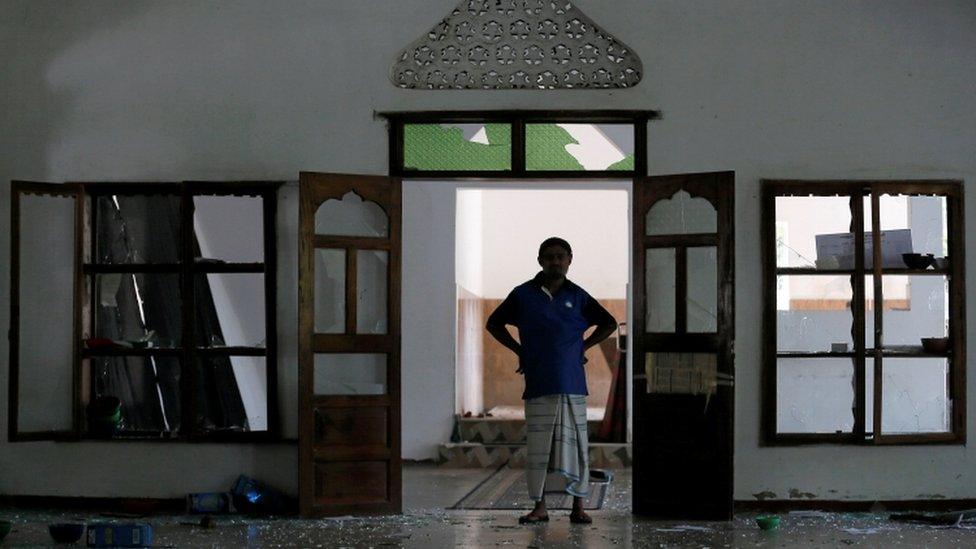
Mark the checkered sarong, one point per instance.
(557, 443)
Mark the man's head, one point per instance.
(555, 256)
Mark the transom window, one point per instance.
(864, 308)
(519, 143)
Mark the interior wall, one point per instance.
(594, 222)
(469, 373)
(140, 91)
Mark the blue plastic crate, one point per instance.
(130, 534)
(210, 503)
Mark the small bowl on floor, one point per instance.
(66, 532)
(767, 522)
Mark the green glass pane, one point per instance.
(627, 164)
(545, 148)
(443, 147)
(579, 147)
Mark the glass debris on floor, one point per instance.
(426, 523)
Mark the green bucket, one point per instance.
(105, 410)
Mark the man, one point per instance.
(552, 314)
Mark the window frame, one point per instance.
(189, 350)
(19, 189)
(518, 119)
(858, 191)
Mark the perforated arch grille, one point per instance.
(516, 44)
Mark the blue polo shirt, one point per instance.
(551, 334)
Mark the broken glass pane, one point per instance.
(441, 147)
(813, 313)
(349, 374)
(229, 228)
(869, 394)
(137, 229)
(702, 297)
(924, 216)
(46, 324)
(915, 307)
(230, 310)
(232, 394)
(351, 216)
(915, 396)
(814, 395)
(681, 214)
(148, 387)
(371, 290)
(139, 310)
(330, 291)
(814, 231)
(659, 287)
(579, 147)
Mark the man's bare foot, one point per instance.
(538, 514)
(578, 516)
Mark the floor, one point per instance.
(426, 524)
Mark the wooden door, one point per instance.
(349, 345)
(683, 346)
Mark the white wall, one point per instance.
(469, 344)
(594, 222)
(253, 90)
(469, 241)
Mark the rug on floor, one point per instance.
(506, 489)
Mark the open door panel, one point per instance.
(683, 341)
(349, 345)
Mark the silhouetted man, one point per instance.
(551, 315)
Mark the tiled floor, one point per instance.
(428, 490)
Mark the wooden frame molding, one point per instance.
(858, 191)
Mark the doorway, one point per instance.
(507, 156)
(497, 232)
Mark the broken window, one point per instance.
(579, 147)
(174, 307)
(866, 342)
(457, 147)
(524, 143)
